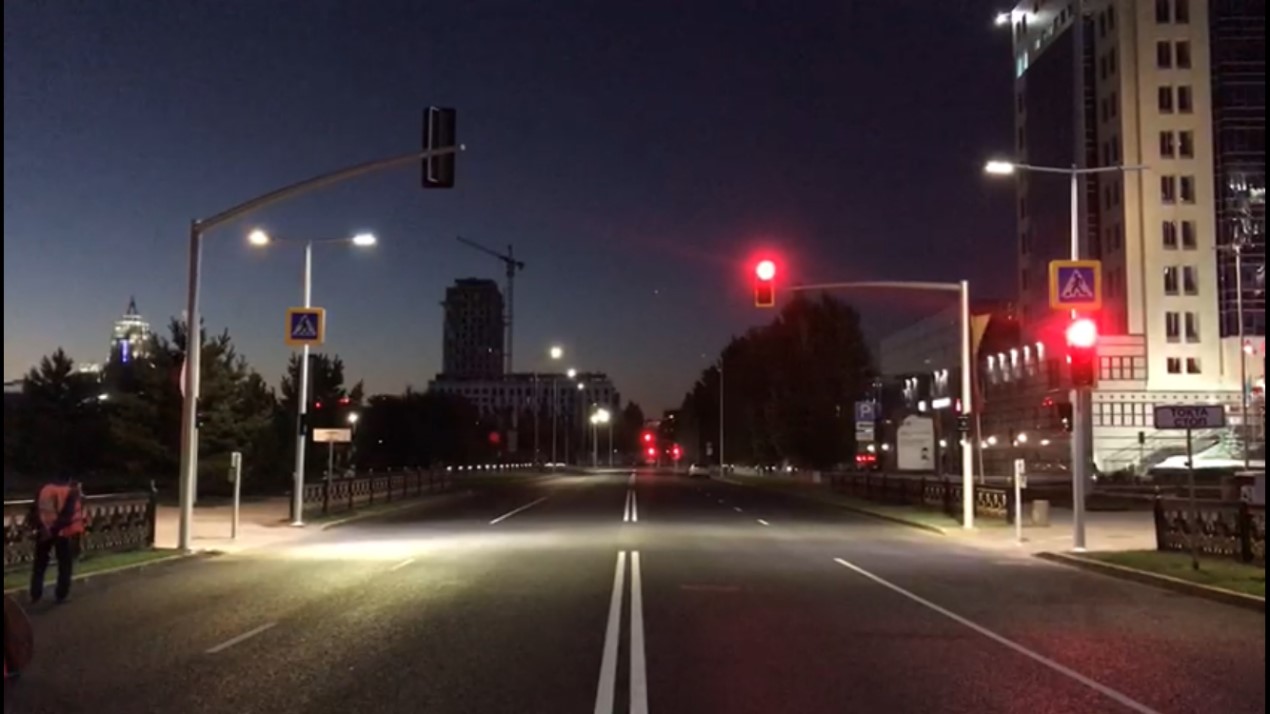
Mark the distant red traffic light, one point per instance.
(1082, 352)
(648, 437)
(1083, 333)
(764, 285)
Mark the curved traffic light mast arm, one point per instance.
(962, 288)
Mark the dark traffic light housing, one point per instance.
(440, 131)
(764, 284)
(1082, 352)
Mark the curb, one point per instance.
(846, 507)
(137, 568)
(396, 509)
(1185, 587)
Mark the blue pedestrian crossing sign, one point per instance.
(1076, 285)
(306, 326)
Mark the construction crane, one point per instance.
(512, 265)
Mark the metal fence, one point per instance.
(1234, 530)
(112, 522)
(347, 494)
(937, 493)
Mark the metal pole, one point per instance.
(236, 460)
(1081, 400)
(189, 406)
(610, 443)
(1190, 479)
(967, 407)
(537, 408)
(722, 471)
(595, 444)
(1018, 501)
(330, 462)
(555, 399)
(302, 401)
(1243, 353)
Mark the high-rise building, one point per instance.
(130, 337)
(473, 341)
(1176, 87)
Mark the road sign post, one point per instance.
(236, 476)
(1191, 417)
(1020, 480)
(1076, 287)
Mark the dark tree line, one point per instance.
(120, 428)
(788, 390)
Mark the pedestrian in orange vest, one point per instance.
(57, 517)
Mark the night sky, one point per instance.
(636, 153)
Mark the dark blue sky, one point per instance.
(636, 153)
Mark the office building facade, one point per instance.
(472, 344)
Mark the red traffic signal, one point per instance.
(676, 453)
(1082, 351)
(648, 437)
(652, 452)
(764, 284)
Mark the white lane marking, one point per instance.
(737, 509)
(514, 511)
(631, 480)
(639, 680)
(626, 508)
(608, 662)
(1103, 689)
(241, 638)
(634, 508)
(762, 522)
(401, 565)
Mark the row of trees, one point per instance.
(788, 390)
(121, 427)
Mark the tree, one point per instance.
(422, 429)
(329, 403)
(788, 388)
(62, 427)
(630, 422)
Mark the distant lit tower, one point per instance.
(131, 335)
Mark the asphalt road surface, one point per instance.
(639, 593)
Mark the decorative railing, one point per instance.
(347, 494)
(112, 522)
(930, 492)
(1234, 530)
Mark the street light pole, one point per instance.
(962, 288)
(722, 471)
(302, 403)
(188, 483)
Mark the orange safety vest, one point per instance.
(60, 508)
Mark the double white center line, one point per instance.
(631, 512)
(606, 693)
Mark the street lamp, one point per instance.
(1081, 398)
(260, 238)
(353, 418)
(598, 417)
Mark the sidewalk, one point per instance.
(262, 522)
(1104, 531)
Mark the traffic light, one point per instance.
(676, 453)
(1082, 352)
(764, 284)
(648, 437)
(439, 132)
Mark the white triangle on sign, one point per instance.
(305, 328)
(1077, 288)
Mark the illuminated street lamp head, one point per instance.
(1002, 19)
(352, 418)
(602, 416)
(556, 352)
(258, 238)
(581, 386)
(765, 270)
(571, 373)
(364, 239)
(999, 168)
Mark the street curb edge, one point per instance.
(1185, 587)
(129, 569)
(415, 503)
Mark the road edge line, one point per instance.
(413, 503)
(1165, 582)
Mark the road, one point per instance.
(635, 593)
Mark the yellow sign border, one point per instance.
(321, 336)
(1056, 289)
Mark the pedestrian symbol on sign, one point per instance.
(1076, 287)
(306, 326)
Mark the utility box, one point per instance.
(1041, 513)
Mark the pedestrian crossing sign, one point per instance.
(306, 326)
(1076, 285)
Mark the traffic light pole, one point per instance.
(962, 288)
(188, 483)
